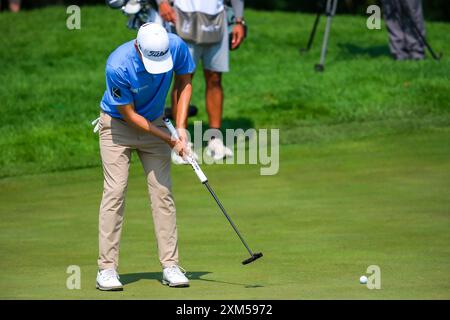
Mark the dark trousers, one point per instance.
(404, 41)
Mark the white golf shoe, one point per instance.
(108, 280)
(174, 277)
(217, 150)
(176, 159)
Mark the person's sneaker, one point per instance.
(174, 277)
(217, 150)
(176, 159)
(108, 280)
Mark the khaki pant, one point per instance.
(117, 141)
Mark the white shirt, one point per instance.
(211, 7)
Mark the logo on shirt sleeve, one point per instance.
(116, 92)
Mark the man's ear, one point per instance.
(137, 48)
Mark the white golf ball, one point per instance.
(363, 280)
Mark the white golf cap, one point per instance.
(153, 43)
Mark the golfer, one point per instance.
(138, 77)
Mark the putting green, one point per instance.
(333, 210)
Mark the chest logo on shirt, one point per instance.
(116, 92)
(137, 90)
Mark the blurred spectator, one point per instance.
(404, 19)
(192, 18)
(14, 5)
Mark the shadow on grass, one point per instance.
(348, 49)
(227, 123)
(196, 275)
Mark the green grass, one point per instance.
(333, 210)
(53, 79)
(364, 172)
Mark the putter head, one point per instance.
(253, 258)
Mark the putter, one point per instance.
(201, 176)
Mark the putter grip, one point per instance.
(201, 176)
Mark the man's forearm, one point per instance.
(139, 122)
(238, 8)
(183, 97)
(143, 124)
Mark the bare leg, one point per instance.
(214, 98)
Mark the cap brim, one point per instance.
(162, 65)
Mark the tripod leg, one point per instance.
(313, 33)
(330, 12)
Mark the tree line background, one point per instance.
(434, 9)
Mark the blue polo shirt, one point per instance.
(127, 81)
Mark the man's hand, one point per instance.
(180, 146)
(166, 12)
(238, 34)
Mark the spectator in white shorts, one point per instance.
(214, 53)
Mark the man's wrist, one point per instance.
(170, 140)
(240, 21)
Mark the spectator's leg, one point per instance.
(412, 19)
(214, 98)
(392, 15)
(215, 61)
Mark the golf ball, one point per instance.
(363, 280)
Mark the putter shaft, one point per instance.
(211, 191)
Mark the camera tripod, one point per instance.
(330, 12)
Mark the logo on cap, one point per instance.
(151, 53)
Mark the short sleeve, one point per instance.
(183, 62)
(117, 87)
